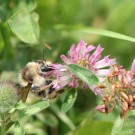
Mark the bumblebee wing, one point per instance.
(24, 92)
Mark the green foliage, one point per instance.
(69, 100)
(83, 30)
(84, 74)
(117, 126)
(20, 106)
(94, 128)
(35, 108)
(128, 125)
(63, 117)
(19, 129)
(107, 33)
(24, 24)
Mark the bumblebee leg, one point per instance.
(43, 90)
(52, 92)
(48, 82)
(37, 89)
(60, 91)
(42, 94)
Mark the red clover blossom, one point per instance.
(86, 56)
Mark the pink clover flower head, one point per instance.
(81, 56)
(118, 90)
(86, 56)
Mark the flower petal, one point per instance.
(105, 62)
(96, 55)
(90, 48)
(72, 51)
(81, 49)
(132, 70)
(101, 108)
(103, 72)
(96, 90)
(65, 59)
(75, 85)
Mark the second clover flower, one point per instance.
(118, 90)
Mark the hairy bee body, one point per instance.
(32, 78)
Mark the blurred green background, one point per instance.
(56, 21)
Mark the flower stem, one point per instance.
(3, 129)
(3, 125)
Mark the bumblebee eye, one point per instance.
(45, 69)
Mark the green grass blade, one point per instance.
(92, 30)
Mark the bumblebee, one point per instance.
(33, 78)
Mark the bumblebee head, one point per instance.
(44, 66)
(28, 73)
(34, 72)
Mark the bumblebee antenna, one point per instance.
(43, 54)
(45, 46)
